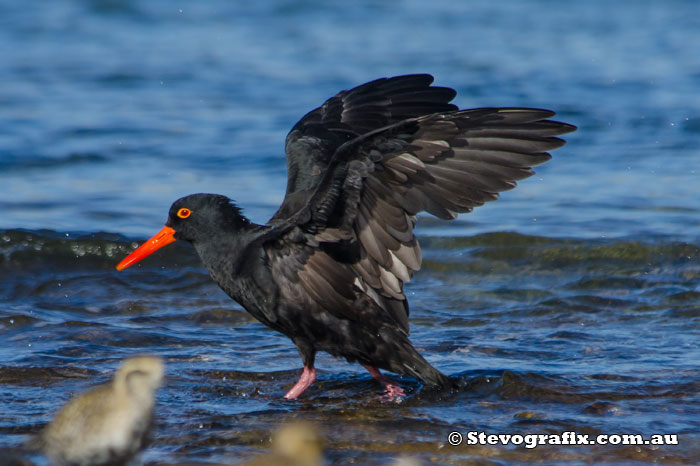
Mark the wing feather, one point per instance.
(398, 148)
(348, 115)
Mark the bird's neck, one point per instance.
(224, 251)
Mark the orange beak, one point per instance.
(162, 238)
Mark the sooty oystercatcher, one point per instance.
(328, 268)
(108, 425)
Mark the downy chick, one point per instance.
(295, 444)
(110, 424)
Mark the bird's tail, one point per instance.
(421, 369)
(391, 350)
(410, 362)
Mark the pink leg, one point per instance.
(391, 390)
(307, 378)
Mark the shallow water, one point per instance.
(572, 304)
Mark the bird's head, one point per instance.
(194, 218)
(140, 374)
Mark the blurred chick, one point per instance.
(296, 444)
(407, 461)
(110, 424)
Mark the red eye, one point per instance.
(184, 213)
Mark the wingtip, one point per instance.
(567, 127)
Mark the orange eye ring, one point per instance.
(184, 213)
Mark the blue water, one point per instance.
(581, 286)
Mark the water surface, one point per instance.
(571, 304)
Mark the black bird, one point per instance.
(328, 268)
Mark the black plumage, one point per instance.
(328, 269)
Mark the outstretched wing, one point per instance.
(314, 139)
(357, 223)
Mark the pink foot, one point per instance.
(307, 378)
(392, 391)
